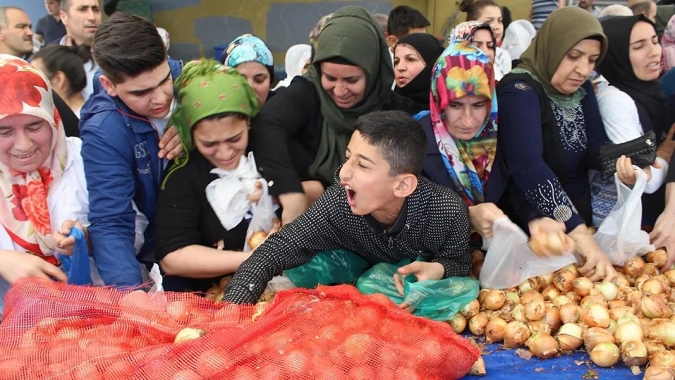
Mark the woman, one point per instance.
(550, 132)
(631, 105)
(64, 66)
(414, 57)
(488, 12)
(41, 178)
(298, 59)
(193, 224)
(251, 57)
(483, 37)
(302, 133)
(668, 43)
(517, 38)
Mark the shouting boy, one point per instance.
(380, 209)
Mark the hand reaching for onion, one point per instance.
(596, 264)
(259, 237)
(548, 238)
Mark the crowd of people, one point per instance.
(383, 140)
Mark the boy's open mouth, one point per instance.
(350, 195)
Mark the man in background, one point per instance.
(16, 36)
(645, 8)
(589, 5)
(50, 28)
(404, 20)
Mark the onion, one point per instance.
(477, 323)
(519, 313)
(512, 297)
(658, 257)
(613, 304)
(481, 295)
(569, 337)
(573, 297)
(570, 313)
(653, 306)
(542, 345)
(616, 313)
(663, 358)
(188, 334)
(621, 280)
(595, 315)
(664, 280)
(458, 323)
(582, 286)
(651, 269)
(529, 284)
(654, 372)
(539, 327)
(535, 310)
(612, 326)
(635, 267)
(494, 300)
(634, 352)
(634, 297)
(552, 318)
(653, 286)
(516, 334)
(599, 299)
(572, 268)
(561, 300)
(628, 331)
(665, 331)
(478, 368)
(607, 290)
(494, 330)
(550, 293)
(530, 296)
(605, 354)
(470, 309)
(670, 275)
(563, 280)
(641, 280)
(545, 280)
(654, 346)
(671, 295)
(596, 335)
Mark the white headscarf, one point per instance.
(296, 58)
(165, 37)
(518, 37)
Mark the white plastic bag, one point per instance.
(263, 216)
(510, 261)
(619, 235)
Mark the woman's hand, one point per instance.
(547, 237)
(667, 146)
(597, 265)
(15, 265)
(255, 196)
(170, 145)
(482, 216)
(627, 173)
(422, 270)
(64, 245)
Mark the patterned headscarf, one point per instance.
(314, 33)
(668, 44)
(464, 70)
(248, 48)
(466, 30)
(205, 88)
(24, 212)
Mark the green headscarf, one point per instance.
(206, 88)
(352, 34)
(563, 29)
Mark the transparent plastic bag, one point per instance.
(434, 299)
(620, 235)
(263, 216)
(510, 261)
(328, 268)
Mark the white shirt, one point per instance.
(160, 124)
(502, 64)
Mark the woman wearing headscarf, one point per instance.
(668, 44)
(414, 57)
(550, 132)
(300, 136)
(517, 37)
(206, 194)
(251, 57)
(298, 58)
(482, 35)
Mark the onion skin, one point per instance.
(561, 300)
(550, 293)
(628, 331)
(569, 337)
(582, 286)
(663, 358)
(570, 313)
(478, 368)
(539, 327)
(654, 372)
(530, 296)
(563, 280)
(470, 309)
(664, 331)
(653, 306)
(477, 323)
(634, 352)
(670, 275)
(494, 300)
(635, 267)
(658, 257)
(542, 345)
(535, 310)
(596, 335)
(516, 334)
(607, 290)
(458, 323)
(595, 315)
(494, 330)
(654, 346)
(605, 354)
(653, 286)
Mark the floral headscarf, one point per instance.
(24, 212)
(466, 30)
(668, 44)
(248, 48)
(464, 70)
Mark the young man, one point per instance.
(50, 28)
(645, 8)
(381, 209)
(122, 130)
(404, 20)
(16, 36)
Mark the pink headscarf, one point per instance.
(668, 44)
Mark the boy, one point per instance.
(380, 209)
(121, 127)
(404, 20)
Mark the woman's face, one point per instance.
(482, 38)
(345, 84)
(25, 142)
(576, 66)
(493, 15)
(258, 77)
(222, 141)
(465, 116)
(408, 63)
(645, 52)
(306, 65)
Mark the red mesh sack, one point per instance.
(68, 332)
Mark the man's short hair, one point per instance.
(398, 138)
(65, 5)
(3, 14)
(125, 46)
(641, 8)
(403, 18)
(382, 21)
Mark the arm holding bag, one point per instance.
(77, 265)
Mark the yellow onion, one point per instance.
(531, 283)
(663, 358)
(653, 306)
(607, 290)
(561, 300)
(628, 331)
(478, 368)
(621, 280)
(550, 293)
(599, 299)
(641, 280)
(670, 275)
(595, 315)
(470, 309)
(542, 345)
(188, 334)
(494, 330)
(573, 296)
(651, 269)
(635, 267)
(596, 335)
(613, 304)
(653, 286)
(552, 318)
(481, 295)
(634, 352)
(512, 297)
(569, 337)
(477, 323)
(530, 296)
(570, 313)
(516, 334)
(664, 280)
(654, 372)
(582, 286)
(545, 280)
(519, 313)
(572, 268)
(612, 326)
(658, 257)
(665, 331)
(563, 280)
(535, 310)
(494, 300)
(458, 323)
(654, 346)
(616, 313)
(539, 327)
(605, 354)
(671, 295)
(634, 297)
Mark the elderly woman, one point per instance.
(251, 57)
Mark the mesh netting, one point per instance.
(58, 331)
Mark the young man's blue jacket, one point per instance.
(119, 150)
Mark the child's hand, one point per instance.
(64, 245)
(255, 196)
(422, 270)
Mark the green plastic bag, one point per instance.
(327, 268)
(439, 300)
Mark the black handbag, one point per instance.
(642, 152)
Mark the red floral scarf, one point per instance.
(24, 212)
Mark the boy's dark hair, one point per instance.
(69, 60)
(403, 18)
(473, 8)
(641, 8)
(399, 139)
(127, 46)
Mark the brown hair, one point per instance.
(473, 8)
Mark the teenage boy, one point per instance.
(124, 145)
(404, 20)
(381, 209)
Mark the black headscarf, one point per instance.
(418, 89)
(617, 69)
